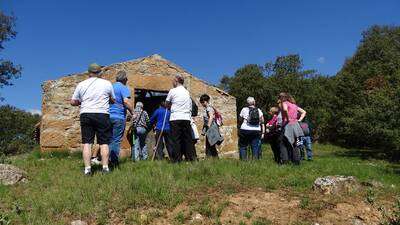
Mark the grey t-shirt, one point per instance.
(206, 114)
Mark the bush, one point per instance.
(17, 129)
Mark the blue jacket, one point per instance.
(158, 116)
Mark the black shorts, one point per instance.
(98, 124)
(247, 136)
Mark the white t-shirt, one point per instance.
(181, 103)
(94, 94)
(245, 115)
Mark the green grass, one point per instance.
(57, 192)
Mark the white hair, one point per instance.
(139, 105)
(179, 78)
(251, 101)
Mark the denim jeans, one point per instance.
(307, 144)
(251, 138)
(139, 149)
(118, 128)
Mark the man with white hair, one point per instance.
(181, 112)
(252, 130)
(94, 96)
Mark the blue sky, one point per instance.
(208, 38)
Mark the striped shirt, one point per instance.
(143, 120)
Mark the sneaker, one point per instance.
(105, 171)
(87, 173)
(95, 161)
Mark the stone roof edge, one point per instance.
(138, 60)
(172, 64)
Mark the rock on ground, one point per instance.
(78, 222)
(197, 219)
(335, 184)
(10, 175)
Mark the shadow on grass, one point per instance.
(372, 154)
(364, 154)
(369, 154)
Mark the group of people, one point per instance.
(287, 133)
(103, 113)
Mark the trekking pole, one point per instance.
(159, 137)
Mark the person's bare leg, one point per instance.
(86, 154)
(95, 151)
(104, 150)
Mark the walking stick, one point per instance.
(159, 137)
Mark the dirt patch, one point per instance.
(351, 213)
(277, 208)
(258, 207)
(252, 206)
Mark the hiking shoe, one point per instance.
(87, 173)
(105, 171)
(95, 161)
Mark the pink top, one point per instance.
(292, 112)
(273, 121)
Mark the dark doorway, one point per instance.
(150, 99)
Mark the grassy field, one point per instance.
(58, 193)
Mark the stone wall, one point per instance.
(60, 128)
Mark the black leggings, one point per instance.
(288, 151)
(275, 146)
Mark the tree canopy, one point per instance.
(17, 129)
(8, 70)
(359, 106)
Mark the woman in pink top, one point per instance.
(291, 126)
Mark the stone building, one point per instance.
(149, 78)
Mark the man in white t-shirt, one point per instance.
(94, 96)
(252, 130)
(181, 111)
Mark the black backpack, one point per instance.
(254, 117)
(195, 109)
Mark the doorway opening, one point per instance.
(151, 99)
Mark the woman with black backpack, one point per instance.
(251, 130)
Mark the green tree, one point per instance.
(224, 83)
(367, 113)
(16, 130)
(359, 107)
(8, 70)
(285, 74)
(247, 81)
(285, 65)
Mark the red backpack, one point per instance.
(218, 117)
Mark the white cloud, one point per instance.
(321, 60)
(35, 111)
